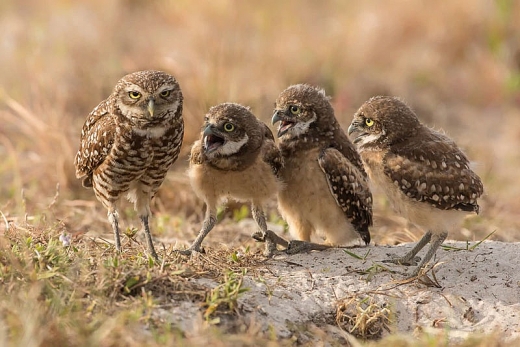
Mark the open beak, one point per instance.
(285, 125)
(151, 107)
(210, 140)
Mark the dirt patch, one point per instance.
(467, 292)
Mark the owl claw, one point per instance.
(259, 236)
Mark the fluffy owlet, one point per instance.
(425, 175)
(235, 158)
(128, 143)
(326, 189)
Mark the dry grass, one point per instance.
(456, 63)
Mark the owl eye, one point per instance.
(165, 93)
(229, 127)
(294, 109)
(369, 122)
(134, 95)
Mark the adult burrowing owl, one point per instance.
(424, 174)
(128, 143)
(235, 157)
(326, 189)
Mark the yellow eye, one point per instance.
(229, 127)
(294, 109)
(165, 93)
(369, 122)
(134, 95)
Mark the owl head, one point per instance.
(383, 121)
(303, 111)
(148, 98)
(230, 129)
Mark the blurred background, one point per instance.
(457, 63)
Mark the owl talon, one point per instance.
(259, 236)
(270, 237)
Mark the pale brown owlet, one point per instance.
(235, 158)
(326, 189)
(425, 175)
(128, 143)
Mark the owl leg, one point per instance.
(409, 258)
(209, 222)
(264, 235)
(149, 243)
(141, 197)
(113, 219)
(437, 240)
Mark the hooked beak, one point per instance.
(276, 118)
(208, 131)
(285, 125)
(210, 140)
(151, 107)
(352, 128)
(358, 133)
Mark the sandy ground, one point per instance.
(477, 291)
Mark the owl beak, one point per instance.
(208, 131)
(210, 140)
(151, 107)
(276, 118)
(352, 128)
(358, 134)
(285, 125)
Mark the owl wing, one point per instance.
(436, 172)
(270, 152)
(97, 138)
(349, 187)
(196, 153)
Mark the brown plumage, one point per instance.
(326, 189)
(128, 143)
(235, 158)
(425, 175)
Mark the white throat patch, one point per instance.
(368, 139)
(301, 127)
(232, 147)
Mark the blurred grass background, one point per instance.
(457, 63)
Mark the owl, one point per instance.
(326, 188)
(128, 143)
(425, 175)
(235, 158)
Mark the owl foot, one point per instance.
(296, 246)
(406, 261)
(190, 250)
(271, 242)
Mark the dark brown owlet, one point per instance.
(425, 175)
(128, 143)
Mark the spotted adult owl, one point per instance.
(128, 143)
(426, 177)
(326, 189)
